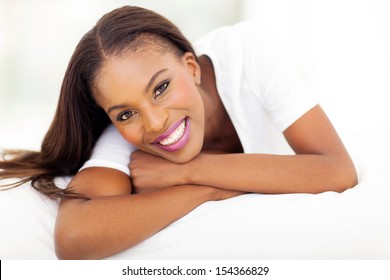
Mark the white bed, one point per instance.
(351, 225)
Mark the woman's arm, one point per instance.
(321, 164)
(114, 219)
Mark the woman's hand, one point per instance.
(150, 172)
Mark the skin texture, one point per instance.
(211, 166)
(122, 84)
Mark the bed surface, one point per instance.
(351, 225)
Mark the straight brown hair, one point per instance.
(78, 120)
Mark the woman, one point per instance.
(186, 129)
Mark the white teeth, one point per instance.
(175, 136)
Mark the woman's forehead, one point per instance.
(137, 64)
(145, 42)
(134, 72)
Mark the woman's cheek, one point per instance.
(184, 90)
(184, 96)
(132, 136)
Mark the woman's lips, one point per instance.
(176, 136)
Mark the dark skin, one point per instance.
(225, 140)
(319, 152)
(123, 212)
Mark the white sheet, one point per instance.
(351, 225)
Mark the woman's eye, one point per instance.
(161, 88)
(125, 116)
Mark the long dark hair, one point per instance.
(78, 120)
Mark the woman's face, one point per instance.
(153, 100)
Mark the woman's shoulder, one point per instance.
(111, 150)
(111, 137)
(233, 41)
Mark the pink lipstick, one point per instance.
(176, 136)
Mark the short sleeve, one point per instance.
(111, 151)
(277, 82)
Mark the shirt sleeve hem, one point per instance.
(294, 115)
(107, 164)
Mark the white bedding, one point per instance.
(351, 225)
(346, 60)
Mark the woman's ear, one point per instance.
(193, 66)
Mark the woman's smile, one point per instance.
(176, 136)
(155, 102)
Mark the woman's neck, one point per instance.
(219, 131)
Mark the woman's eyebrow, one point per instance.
(154, 77)
(116, 107)
(151, 81)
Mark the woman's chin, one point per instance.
(179, 159)
(182, 156)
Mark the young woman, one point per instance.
(186, 128)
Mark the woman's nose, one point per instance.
(155, 119)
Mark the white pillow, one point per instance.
(351, 225)
(27, 222)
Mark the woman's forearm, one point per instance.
(272, 173)
(104, 226)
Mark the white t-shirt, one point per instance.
(262, 93)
